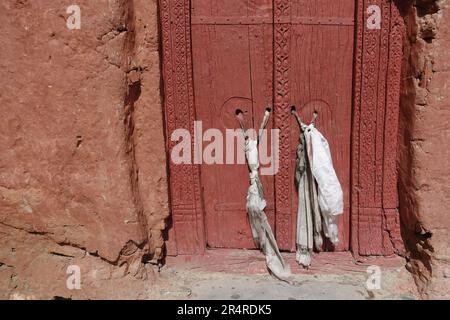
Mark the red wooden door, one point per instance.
(232, 63)
(309, 53)
(248, 54)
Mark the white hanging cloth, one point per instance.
(320, 193)
(331, 198)
(309, 224)
(261, 230)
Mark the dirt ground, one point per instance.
(242, 275)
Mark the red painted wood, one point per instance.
(390, 194)
(321, 80)
(284, 180)
(232, 66)
(357, 83)
(248, 53)
(252, 262)
(187, 212)
(378, 56)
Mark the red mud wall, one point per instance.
(82, 161)
(424, 160)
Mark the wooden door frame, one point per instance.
(374, 221)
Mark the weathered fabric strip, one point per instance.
(261, 230)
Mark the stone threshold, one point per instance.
(247, 262)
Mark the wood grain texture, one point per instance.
(321, 80)
(378, 53)
(233, 68)
(284, 182)
(259, 52)
(187, 213)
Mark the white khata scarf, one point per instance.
(320, 197)
(261, 230)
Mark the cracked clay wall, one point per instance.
(82, 161)
(424, 185)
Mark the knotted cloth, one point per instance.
(261, 230)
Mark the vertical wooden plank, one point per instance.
(375, 223)
(285, 213)
(200, 246)
(371, 59)
(355, 158)
(261, 61)
(222, 74)
(169, 107)
(321, 80)
(232, 69)
(390, 173)
(370, 222)
(381, 100)
(187, 213)
(390, 197)
(385, 245)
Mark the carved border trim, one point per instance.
(375, 226)
(187, 212)
(284, 217)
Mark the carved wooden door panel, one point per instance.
(232, 68)
(232, 46)
(320, 79)
(220, 54)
